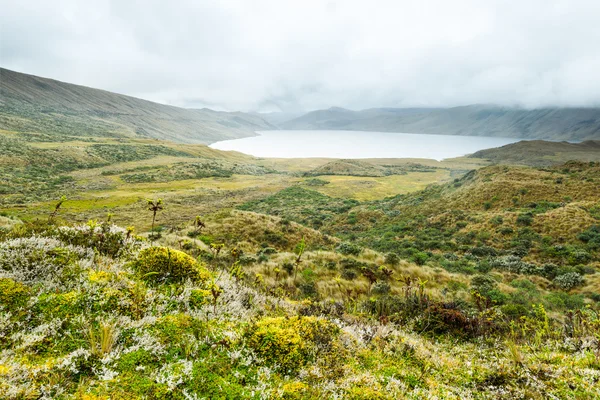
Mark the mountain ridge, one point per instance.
(576, 124)
(35, 104)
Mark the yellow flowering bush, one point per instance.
(295, 391)
(13, 294)
(290, 342)
(60, 305)
(164, 265)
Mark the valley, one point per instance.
(150, 265)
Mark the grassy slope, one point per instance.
(86, 326)
(48, 109)
(541, 153)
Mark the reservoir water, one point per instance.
(358, 144)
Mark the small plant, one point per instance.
(102, 339)
(299, 250)
(198, 225)
(155, 206)
(57, 207)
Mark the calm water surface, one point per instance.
(353, 144)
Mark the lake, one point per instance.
(358, 144)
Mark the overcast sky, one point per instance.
(269, 55)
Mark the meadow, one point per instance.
(293, 279)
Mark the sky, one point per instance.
(288, 55)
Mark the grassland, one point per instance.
(291, 283)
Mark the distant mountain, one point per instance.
(47, 107)
(541, 153)
(278, 117)
(575, 124)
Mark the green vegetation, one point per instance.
(252, 278)
(125, 320)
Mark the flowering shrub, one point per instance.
(290, 343)
(569, 280)
(513, 263)
(37, 259)
(159, 265)
(107, 239)
(13, 294)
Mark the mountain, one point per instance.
(54, 109)
(539, 153)
(342, 118)
(575, 124)
(278, 117)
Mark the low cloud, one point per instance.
(269, 55)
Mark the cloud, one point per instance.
(301, 55)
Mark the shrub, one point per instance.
(36, 259)
(288, 267)
(514, 264)
(348, 274)
(392, 258)
(420, 258)
(199, 298)
(569, 280)
(309, 290)
(290, 343)
(483, 251)
(565, 301)
(381, 288)
(497, 220)
(579, 256)
(486, 286)
(160, 265)
(525, 219)
(246, 259)
(348, 249)
(13, 294)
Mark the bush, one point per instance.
(420, 258)
(487, 287)
(13, 294)
(309, 290)
(565, 301)
(525, 219)
(514, 264)
(569, 280)
(159, 265)
(348, 249)
(290, 343)
(381, 288)
(392, 258)
(348, 274)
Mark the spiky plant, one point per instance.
(57, 207)
(155, 206)
(198, 224)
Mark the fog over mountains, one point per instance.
(574, 124)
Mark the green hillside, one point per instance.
(51, 110)
(541, 153)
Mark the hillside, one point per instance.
(476, 120)
(249, 306)
(51, 109)
(541, 153)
